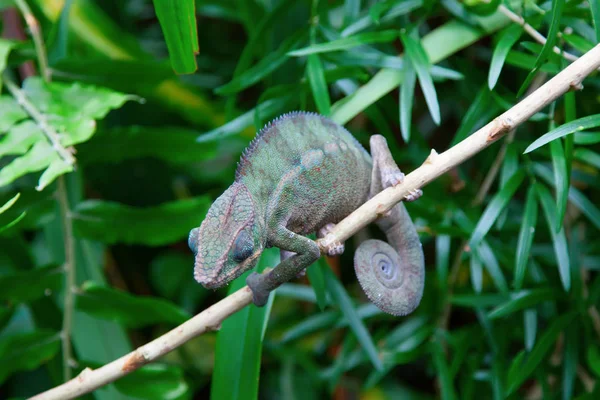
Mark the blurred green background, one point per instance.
(109, 158)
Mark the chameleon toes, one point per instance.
(260, 295)
(413, 195)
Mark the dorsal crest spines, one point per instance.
(262, 135)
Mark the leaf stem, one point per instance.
(62, 196)
(39, 118)
(38, 41)
(69, 271)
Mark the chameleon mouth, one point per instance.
(217, 281)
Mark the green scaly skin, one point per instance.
(301, 174)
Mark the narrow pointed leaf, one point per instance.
(508, 38)
(559, 239)
(346, 43)
(178, 22)
(526, 235)
(415, 51)
(581, 124)
(407, 93)
(240, 342)
(496, 205)
(561, 181)
(340, 297)
(522, 300)
(316, 78)
(522, 367)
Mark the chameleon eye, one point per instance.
(242, 247)
(193, 240)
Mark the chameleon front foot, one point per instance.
(260, 294)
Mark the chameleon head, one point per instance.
(229, 240)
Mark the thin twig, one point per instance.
(538, 37)
(434, 166)
(38, 41)
(69, 271)
(62, 195)
(39, 118)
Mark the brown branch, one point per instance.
(433, 167)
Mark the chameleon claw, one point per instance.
(413, 195)
(331, 246)
(391, 177)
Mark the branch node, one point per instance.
(135, 361)
(432, 157)
(83, 374)
(576, 84)
(500, 126)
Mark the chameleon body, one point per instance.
(302, 174)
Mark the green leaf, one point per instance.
(495, 206)
(508, 38)
(239, 344)
(264, 67)
(155, 382)
(176, 145)
(522, 300)
(126, 309)
(561, 181)
(267, 109)
(587, 138)
(316, 78)
(415, 51)
(178, 22)
(481, 110)
(525, 236)
(571, 360)
(341, 298)
(476, 273)
(66, 112)
(11, 113)
(10, 203)
(581, 44)
(407, 91)
(442, 370)
(316, 277)
(530, 325)
(547, 49)
(523, 366)
(26, 351)
(25, 286)
(438, 44)
(588, 156)
(442, 257)
(581, 124)
(111, 222)
(595, 9)
(593, 358)
(346, 43)
(559, 239)
(5, 47)
(487, 257)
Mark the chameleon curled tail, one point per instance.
(392, 278)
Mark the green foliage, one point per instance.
(510, 236)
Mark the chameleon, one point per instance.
(302, 174)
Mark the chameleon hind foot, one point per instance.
(332, 247)
(391, 176)
(260, 294)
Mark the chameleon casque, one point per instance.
(302, 174)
